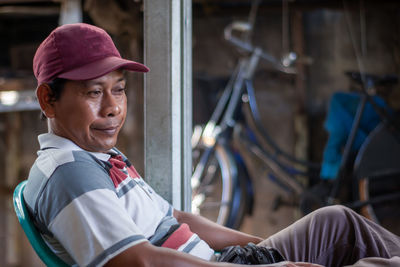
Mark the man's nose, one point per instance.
(110, 106)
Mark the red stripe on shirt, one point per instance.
(178, 238)
(132, 172)
(116, 174)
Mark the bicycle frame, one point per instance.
(368, 83)
(219, 130)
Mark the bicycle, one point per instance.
(222, 187)
(376, 167)
(212, 151)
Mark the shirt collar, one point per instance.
(49, 140)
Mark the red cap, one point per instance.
(79, 52)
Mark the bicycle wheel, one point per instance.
(377, 168)
(214, 193)
(383, 195)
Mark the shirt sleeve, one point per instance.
(80, 208)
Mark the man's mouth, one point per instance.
(108, 130)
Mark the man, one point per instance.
(94, 209)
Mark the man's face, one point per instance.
(91, 113)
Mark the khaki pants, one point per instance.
(337, 236)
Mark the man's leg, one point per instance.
(334, 236)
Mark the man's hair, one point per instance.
(56, 86)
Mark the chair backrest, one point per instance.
(34, 237)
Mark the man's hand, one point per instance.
(293, 264)
(250, 254)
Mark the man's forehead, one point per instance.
(116, 77)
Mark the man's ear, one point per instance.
(44, 95)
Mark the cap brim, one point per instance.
(101, 67)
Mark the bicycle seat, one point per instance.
(372, 80)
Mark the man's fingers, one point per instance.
(293, 264)
(307, 264)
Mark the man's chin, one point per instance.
(100, 143)
(107, 148)
(102, 148)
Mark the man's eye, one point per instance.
(120, 90)
(94, 93)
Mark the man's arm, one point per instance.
(215, 235)
(145, 254)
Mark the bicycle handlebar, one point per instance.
(244, 27)
(371, 80)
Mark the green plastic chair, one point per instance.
(34, 237)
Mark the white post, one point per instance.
(71, 12)
(167, 99)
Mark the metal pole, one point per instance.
(186, 54)
(167, 100)
(71, 12)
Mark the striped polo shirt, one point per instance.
(90, 206)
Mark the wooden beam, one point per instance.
(13, 2)
(203, 8)
(301, 144)
(12, 163)
(29, 10)
(17, 84)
